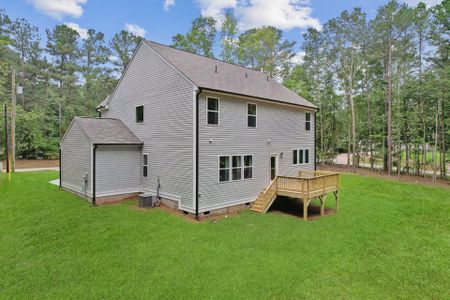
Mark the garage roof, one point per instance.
(107, 131)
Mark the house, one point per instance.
(202, 134)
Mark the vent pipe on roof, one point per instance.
(215, 69)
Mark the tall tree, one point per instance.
(122, 46)
(200, 38)
(439, 37)
(94, 56)
(228, 32)
(346, 34)
(265, 49)
(62, 46)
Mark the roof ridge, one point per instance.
(97, 118)
(204, 56)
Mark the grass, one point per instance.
(390, 240)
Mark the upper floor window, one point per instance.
(140, 114)
(308, 121)
(212, 111)
(251, 115)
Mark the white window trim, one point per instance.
(218, 111)
(218, 169)
(303, 157)
(144, 154)
(243, 166)
(230, 157)
(247, 114)
(143, 115)
(306, 121)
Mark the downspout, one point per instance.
(196, 150)
(93, 173)
(315, 146)
(60, 168)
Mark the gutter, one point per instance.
(315, 145)
(196, 150)
(263, 99)
(93, 173)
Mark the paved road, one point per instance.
(38, 169)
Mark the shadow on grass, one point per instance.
(294, 208)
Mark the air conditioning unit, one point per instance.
(146, 200)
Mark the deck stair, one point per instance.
(265, 198)
(307, 186)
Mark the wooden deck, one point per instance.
(309, 185)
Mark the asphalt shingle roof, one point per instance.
(229, 78)
(107, 131)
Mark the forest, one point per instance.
(381, 84)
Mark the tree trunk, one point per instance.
(388, 107)
(435, 143)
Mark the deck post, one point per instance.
(322, 205)
(305, 209)
(336, 198)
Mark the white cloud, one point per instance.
(81, 31)
(298, 58)
(215, 8)
(429, 3)
(135, 29)
(283, 14)
(58, 9)
(168, 4)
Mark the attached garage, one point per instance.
(100, 160)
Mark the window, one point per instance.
(300, 156)
(237, 168)
(248, 166)
(145, 165)
(251, 115)
(224, 168)
(308, 121)
(212, 111)
(140, 114)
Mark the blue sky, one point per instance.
(159, 20)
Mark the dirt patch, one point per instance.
(188, 217)
(381, 174)
(34, 163)
(294, 207)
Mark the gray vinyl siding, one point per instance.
(118, 170)
(283, 125)
(76, 160)
(167, 130)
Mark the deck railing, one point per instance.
(309, 182)
(308, 186)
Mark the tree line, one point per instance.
(381, 85)
(62, 77)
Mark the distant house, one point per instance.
(203, 134)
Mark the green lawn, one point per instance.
(390, 240)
